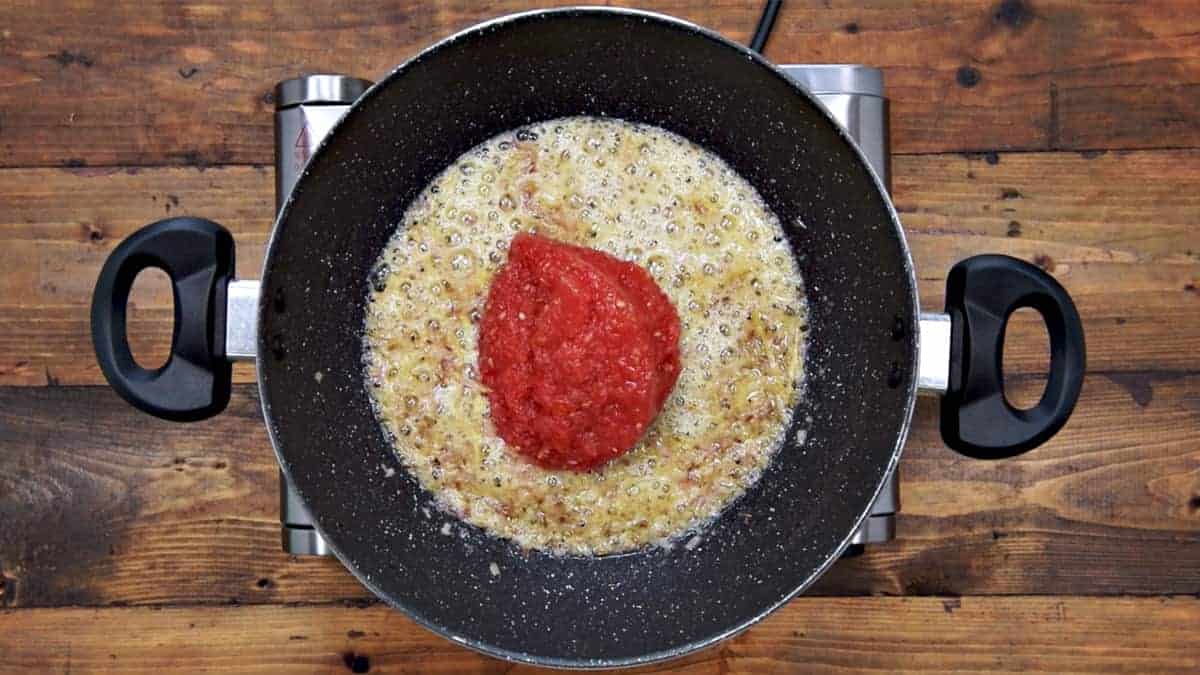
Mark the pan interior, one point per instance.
(581, 611)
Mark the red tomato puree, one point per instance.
(578, 350)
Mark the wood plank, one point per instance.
(100, 504)
(1118, 229)
(848, 635)
(971, 75)
(1133, 206)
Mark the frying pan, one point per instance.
(861, 365)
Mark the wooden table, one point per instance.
(1061, 132)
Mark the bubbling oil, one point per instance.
(642, 194)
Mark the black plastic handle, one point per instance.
(194, 383)
(981, 294)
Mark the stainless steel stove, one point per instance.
(306, 108)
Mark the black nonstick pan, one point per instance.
(862, 359)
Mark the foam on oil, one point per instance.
(642, 194)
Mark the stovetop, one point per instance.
(307, 107)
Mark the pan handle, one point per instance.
(981, 294)
(198, 256)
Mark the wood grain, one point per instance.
(1120, 230)
(977, 75)
(52, 247)
(848, 635)
(100, 505)
(128, 544)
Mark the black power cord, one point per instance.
(765, 23)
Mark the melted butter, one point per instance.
(644, 195)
